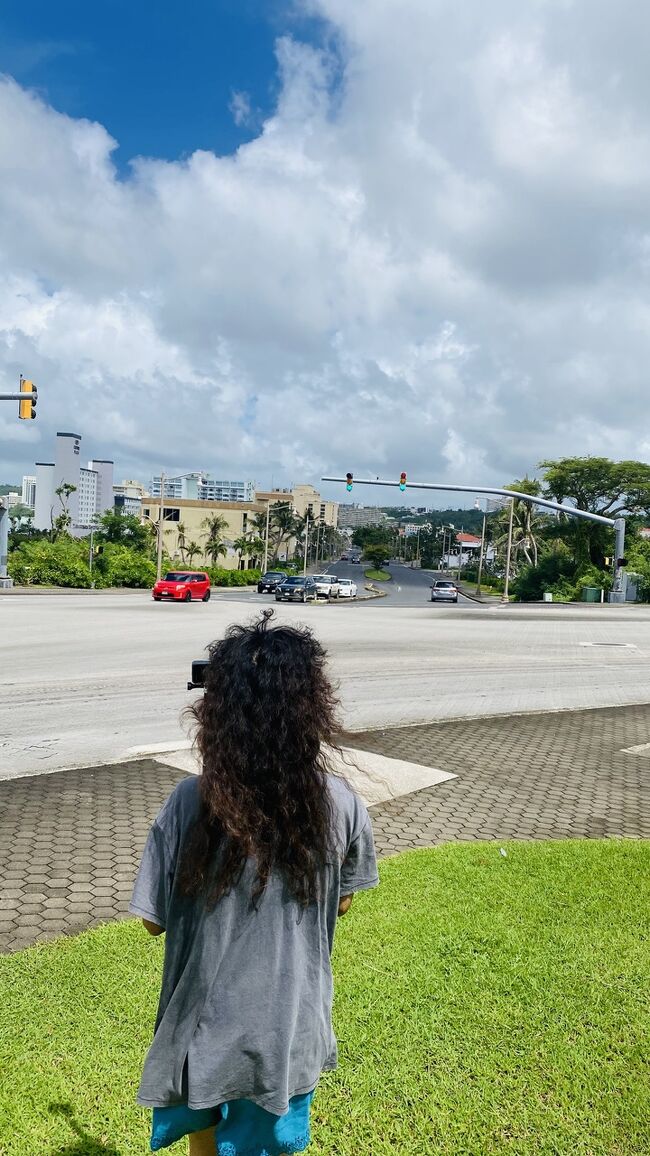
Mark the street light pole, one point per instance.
(304, 565)
(505, 597)
(266, 537)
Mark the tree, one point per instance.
(116, 527)
(192, 550)
(375, 555)
(246, 545)
(599, 485)
(215, 545)
(61, 523)
(282, 528)
(180, 530)
(527, 524)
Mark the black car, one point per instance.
(269, 581)
(296, 590)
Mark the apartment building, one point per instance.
(186, 524)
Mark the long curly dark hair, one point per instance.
(267, 711)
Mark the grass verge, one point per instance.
(378, 575)
(485, 1004)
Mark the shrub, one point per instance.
(221, 577)
(124, 566)
(42, 563)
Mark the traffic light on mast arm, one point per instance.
(348, 482)
(402, 481)
(27, 408)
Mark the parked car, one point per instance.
(347, 588)
(183, 586)
(270, 580)
(327, 585)
(296, 590)
(442, 590)
(344, 557)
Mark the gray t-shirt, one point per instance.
(246, 1000)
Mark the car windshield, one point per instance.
(294, 581)
(444, 584)
(274, 574)
(176, 576)
(345, 581)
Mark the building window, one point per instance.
(171, 514)
(147, 513)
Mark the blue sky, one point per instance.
(433, 253)
(159, 76)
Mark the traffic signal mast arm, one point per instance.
(26, 399)
(617, 523)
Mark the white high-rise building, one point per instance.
(92, 493)
(28, 496)
(204, 488)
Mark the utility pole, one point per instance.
(505, 597)
(480, 561)
(6, 582)
(90, 558)
(160, 529)
(460, 553)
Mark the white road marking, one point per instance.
(374, 777)
(641, 749)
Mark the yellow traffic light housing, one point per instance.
(402, 481)
(27, 408)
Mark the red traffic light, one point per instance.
(402, 481)
(348, 481)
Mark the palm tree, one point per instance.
(249, 543)
(191, 550)
(215, 544)
(180, 530)
(527, 521)
(282, 528)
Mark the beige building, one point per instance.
(185, 524)
(304, 499)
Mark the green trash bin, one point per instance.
(591, 594)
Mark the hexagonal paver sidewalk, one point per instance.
(542, 776)
(70, 842)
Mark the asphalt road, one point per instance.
(85, 678)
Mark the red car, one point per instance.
(183, 586)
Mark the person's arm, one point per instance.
(345, 904)
(153, 928)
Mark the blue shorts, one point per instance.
(241, 1127)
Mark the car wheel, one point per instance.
(304, 598)
(206, 596)
(188, 596)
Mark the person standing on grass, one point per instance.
(246, 869)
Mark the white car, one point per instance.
(347, 588)
(327, 585)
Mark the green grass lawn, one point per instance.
(485, 1004)
(378, 575)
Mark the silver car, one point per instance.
(442, 590)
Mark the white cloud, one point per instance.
(432, 257)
